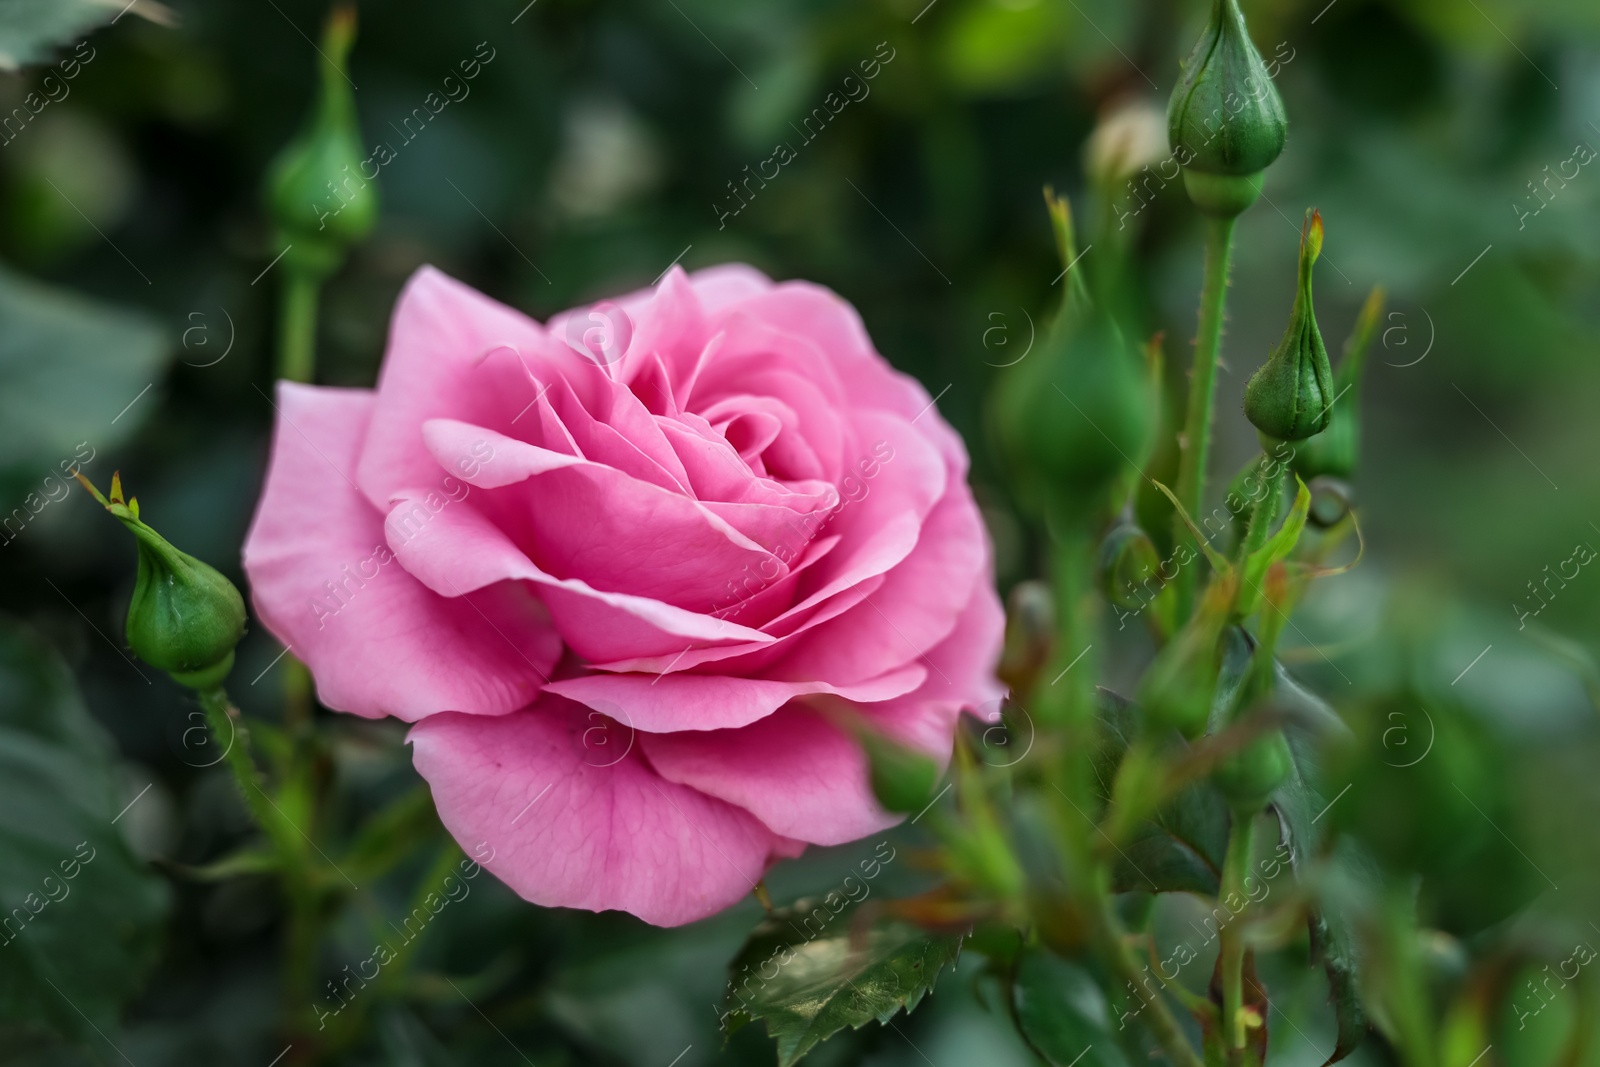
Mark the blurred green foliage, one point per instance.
(596, 147)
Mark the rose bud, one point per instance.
(1030, 629)
(902, 778)
(1128, 571)
(185, 617)
(316, 191)
(1333, 452)
(1289, 396)
(1129, 137)
(1225, 120)
(1247, 778)
(1074, 418)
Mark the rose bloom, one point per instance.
(625, 571)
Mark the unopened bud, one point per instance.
(185, 617)
(1225, 121)
(1289, 396)
(902, 778)
(318, 195)
(1248, 778)
(1129, 136)
(1334, 451)
(1127, 562)
(1074, 419)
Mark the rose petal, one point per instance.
(435, 368)
(917, 606)
(665, 702)
(566, 823)
(380, 643)
(582, 520)
(457, 550)
(799, 774)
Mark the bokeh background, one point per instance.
(595, 149)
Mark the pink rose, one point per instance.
(715, 496)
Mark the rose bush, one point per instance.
(623, 570)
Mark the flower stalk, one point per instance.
(1195, 444)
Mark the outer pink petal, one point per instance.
(383, 643)
(829, 322)
(529, 792)
(803, 777)
(662, 703)
(961, 677)
(797, 772)
(727, 283)
(435, 367)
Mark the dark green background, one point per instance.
(590, 153)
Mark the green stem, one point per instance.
(1265, 512)
(391, 977)
(1112, 940)
(1196, 441)
(297, 361)
(1072, 665)
(1235, 868)
(228, 728)
(1408, 987)
(297, 326)
(1065, 698)
(298, 691)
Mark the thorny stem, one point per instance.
(1265, 511)
(1114, 947)
(395, 968)
(1073, 565)
(1196, 441)
(1067, 699)
(228, 728)
(1235, 867)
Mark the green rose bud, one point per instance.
(185, 617)
(1247, 778)
(1125, 566)
(1030, 629)
(316, 191)
(1289, 396)
(902, 778)
(1333, 452)
(1074, 418)
(1225, 120)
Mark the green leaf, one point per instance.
(1278, 547)
(31, 29)
(1299, 804)
(83, 916)
(1219, 563)
(248, 861)
(1180, 850)
(811, 972)
(69, 369)
(1062, 1012)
